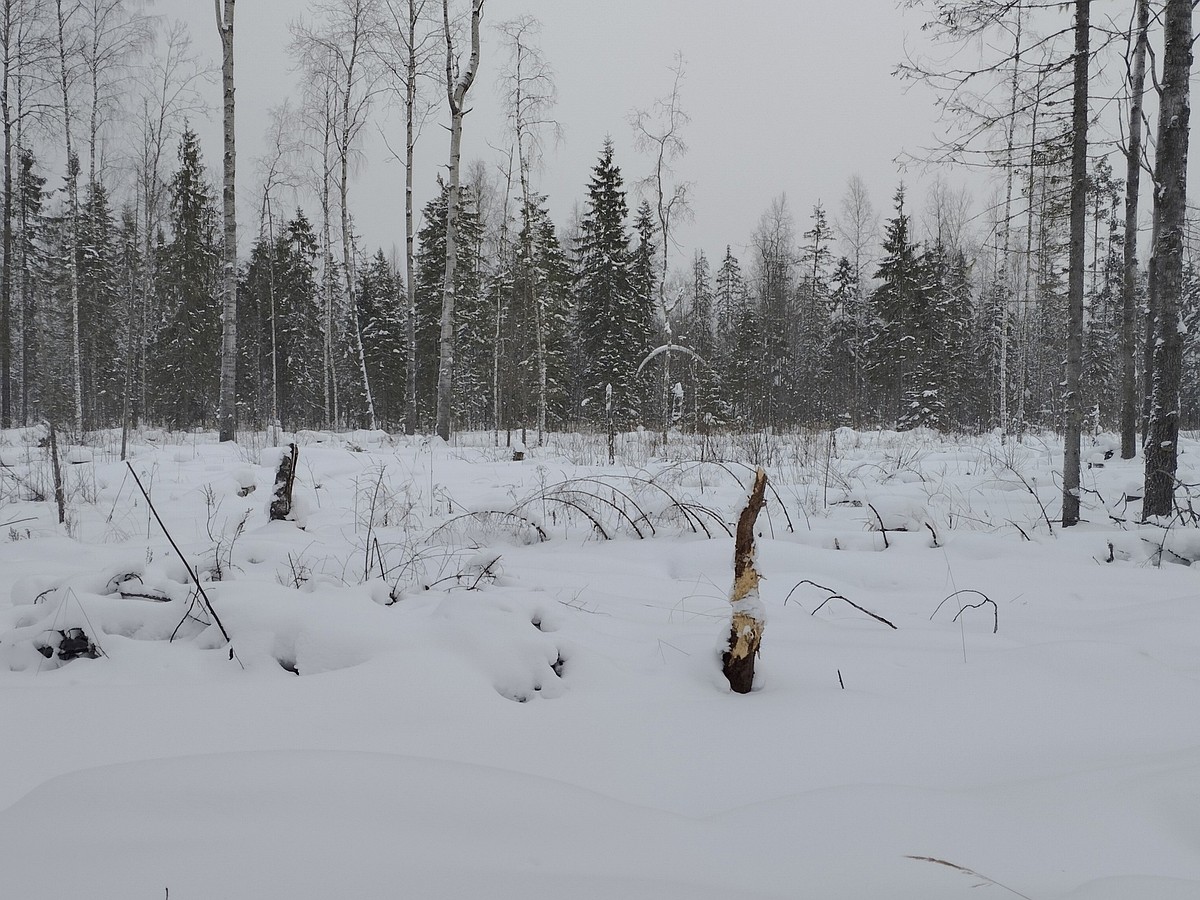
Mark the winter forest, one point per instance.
(658, 449)
(951, 310)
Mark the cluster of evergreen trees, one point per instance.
(796, 337)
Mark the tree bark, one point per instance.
(456, 95)
(745, 631)
(1170, 210)
(1079, 144)
(6, 272)
(347, 132)
(1133, 178)
(1005, 262)
(410, 285)
(285, 479)
(73, 223)
(227, 407)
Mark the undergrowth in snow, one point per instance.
(479, 677)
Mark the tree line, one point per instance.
(120, 301)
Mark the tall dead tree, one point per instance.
(1170, 215)
(1075, 268)
(1133, 179)
(746, 629)
(458, 83)
(1005, 310)
(65, 77)
(530, 95)
(659, 131)
(227, 405)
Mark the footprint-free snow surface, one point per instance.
(453, 675)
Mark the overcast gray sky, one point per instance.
(784, 96)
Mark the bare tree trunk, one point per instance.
(1079, 144)
(1149, 319)
(6, 272)
(498, 329)
(227, 408)
(270, 222)
(329, 363)
(456, 94)
(745, 632)
(73, 223)
(410, 284)
(349, 124)
(1133, 180)
(535, 293)
(1005, 261)
(351, 299)
(1027, 288)
(1170, 210)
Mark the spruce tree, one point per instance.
(383, 335)
(31, 253)
(654, 397)
(609, 343)
(810, 341)
(730, 303)
(101, 310)
(548, 268)
(279, 308)
(184, 368)
(896, 307)
(695, 329)
(848, 337)
(472, 374)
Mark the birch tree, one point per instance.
(113, 36)
(338, 51)
(530, 94)
(226, 411)
(406, 50)
(458, 84)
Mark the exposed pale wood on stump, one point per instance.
(285, 478)
(745, 633)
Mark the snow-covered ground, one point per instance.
(460, 676)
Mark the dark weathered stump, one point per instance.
(285, 478)
(745, 631)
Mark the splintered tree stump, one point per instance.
(745, 632)
(285, 478)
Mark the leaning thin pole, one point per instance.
(191, 572)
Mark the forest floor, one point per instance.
(454, 675)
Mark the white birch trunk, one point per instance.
(410, 285)
(227, 404)
(456, 94)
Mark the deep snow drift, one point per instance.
(459, 676)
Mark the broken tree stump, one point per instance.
(745, 632)
(285, 478)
